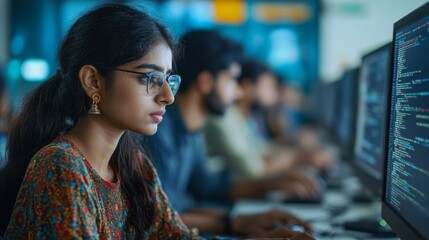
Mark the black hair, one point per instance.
(107, 36)
(205, 50)
(251, 69)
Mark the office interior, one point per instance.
(338, 54)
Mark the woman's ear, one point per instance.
(90, 80)
(204, 82)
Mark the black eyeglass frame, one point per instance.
(166, 78)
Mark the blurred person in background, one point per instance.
(286, 126)
(239, 138)
(286, 118)
(262, 96)
(209, 68)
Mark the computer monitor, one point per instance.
(370, 141)
(405, 200)
(371, 122)
(346, 114)
(330, 104)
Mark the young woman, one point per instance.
(73, 167)
(74, 171)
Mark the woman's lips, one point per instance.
(157, 116)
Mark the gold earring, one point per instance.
(94, 107)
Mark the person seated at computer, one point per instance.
(286, 118)
(74, 170)
(232, 139)
(239, 138)
(209, 67)
(286, 126)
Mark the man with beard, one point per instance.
(209, 69)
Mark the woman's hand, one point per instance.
(272, 223)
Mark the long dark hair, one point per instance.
(105, 37)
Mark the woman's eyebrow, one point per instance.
(152, 66)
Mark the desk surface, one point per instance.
(326, 218)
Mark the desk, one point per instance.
(326, 218)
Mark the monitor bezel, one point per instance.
(347, 150)
(330, 107)
(399, 225)
(368, 180)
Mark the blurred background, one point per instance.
(306, 41)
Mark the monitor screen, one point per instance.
(371, 120)
(406, 186)
(346, 114)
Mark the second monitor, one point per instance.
(371, 122)
(370, 142)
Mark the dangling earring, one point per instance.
(94, 107)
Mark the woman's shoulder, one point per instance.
(59, 154)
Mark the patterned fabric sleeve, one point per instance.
(167, 222)
(55, 200)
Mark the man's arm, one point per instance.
(206, 220)
(292, 184)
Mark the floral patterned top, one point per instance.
(63, 197)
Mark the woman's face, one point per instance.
(127, 104)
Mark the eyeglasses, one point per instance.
(155, 80)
